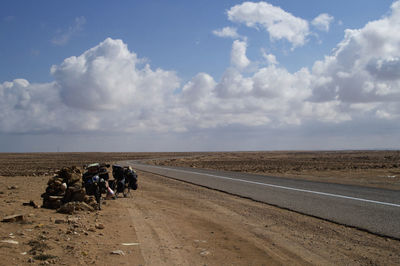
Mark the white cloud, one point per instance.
(238, 54)
(322, 21)
(359, 81)
(26, 107)
(384, 69)
(108, 77)
(271, 96)
(365, 65)
(104, 89)
(270, 58)
(227, 32)
(64, 36)
(199, 88)
(277, 22)
(233, 85)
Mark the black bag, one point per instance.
(104, 175)
(89, 186)
(133, 185)
(121, 185)
(118, 172)
(132, 179)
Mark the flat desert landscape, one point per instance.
(169, 222)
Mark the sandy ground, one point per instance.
(169, 222)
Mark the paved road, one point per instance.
(372, 209)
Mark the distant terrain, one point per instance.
(367, 168)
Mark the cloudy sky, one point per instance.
(199, 75)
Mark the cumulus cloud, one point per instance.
(238, 54)
(26, 107)
(359, 81)
(233, 85)
(227, 32)
(109, 76)
(270, 58)
(277, 22)
(269, 97)
(322, 21)
(365, 65)
(199, 88)
(384, 69)
(106, 85)
(64, 36)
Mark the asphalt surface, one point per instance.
(371, 209)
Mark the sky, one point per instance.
(199, 75)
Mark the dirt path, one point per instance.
(167, 222)
(184, 225)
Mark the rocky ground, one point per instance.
(38, 164)
(167, 222)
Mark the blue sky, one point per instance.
(166, 74)
(175, 35)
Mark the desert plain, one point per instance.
(169, 222)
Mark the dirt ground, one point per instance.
(168, 222)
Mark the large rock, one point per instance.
(91, 201)
(74, 193)
(70, 175)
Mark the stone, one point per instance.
(13, 218)
(54, 198)
(9, 241)
(90, 200)
(72, 220)
(73, 206)
(62, 188)
(99, 226)
(67, 208)
(31, 203)
(78, 195)
(118, 252)
(204, 252)
(51, 204)
(70, 175)
(130, 244)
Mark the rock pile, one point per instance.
(64, 187)
(72, 207)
